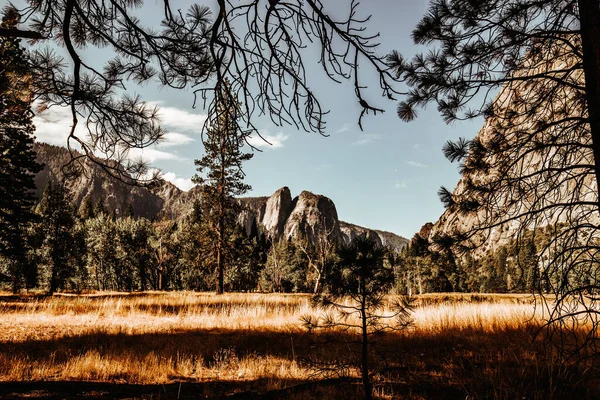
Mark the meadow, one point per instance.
(245, 346)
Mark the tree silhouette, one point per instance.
(176, 55)
(259, 46)
(18, 165)
(356, 291)
(537, 159)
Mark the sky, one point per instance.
(384, 177)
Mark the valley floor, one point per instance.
(246, 346)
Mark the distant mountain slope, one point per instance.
(95, 184)
(277, 216)
(388, 239)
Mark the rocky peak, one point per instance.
(277, 210)
(314, 216)
(309, 215)
(425, 230)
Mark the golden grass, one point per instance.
(153, 338)
(62, 316)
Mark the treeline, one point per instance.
(92, 249)
(66, 250)
(516, 266)
(95, 250)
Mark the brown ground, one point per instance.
(185, 345)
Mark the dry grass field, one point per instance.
(246, 346)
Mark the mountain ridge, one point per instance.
(278, 216)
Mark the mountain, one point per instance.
(94, 184)
(278, 216)
(309, 215)
(531, 164)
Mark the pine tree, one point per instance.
(223, 176)
(17, 158)
(87, 211)
(58, 220)
(99, 207)
(355, 291)
(134, 253)
(101, 252)
(528, 263)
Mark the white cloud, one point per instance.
(344, 128)
(274, 141)
(184, 184)
(172, 139)
(152, 155)
(417, 145)
(366, 138)
(400, 185)
(54, 124)
(415, 164)
(180, 120)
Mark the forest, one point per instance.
(94, 250)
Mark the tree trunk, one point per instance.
(365, 354)
(221, 239)
(53, 279)
(220, 284)
(317, 281)
(142, 270)
(419, 278)
(589, 16)
(221, 223)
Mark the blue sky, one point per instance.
(385, 177)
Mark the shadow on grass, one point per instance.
(452, 365)
(91, 390)
(332, 389)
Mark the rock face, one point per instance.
(277, 211)
(252, 214)
(425, 230)
(313, 216)
(351, 231)
(279, 216)
(177, 203)
(94, 184)
(536, 147)
(382, 238)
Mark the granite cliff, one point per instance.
(525, 154)
(277, 216)
(308, 215)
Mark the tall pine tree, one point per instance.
(58, 221)
(221, 175)
(17, 158)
